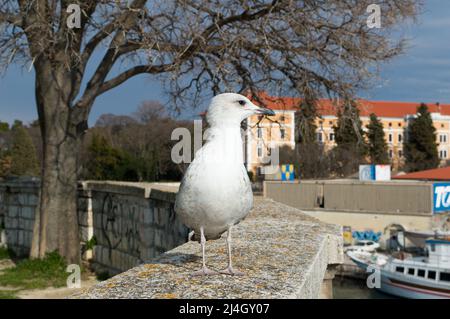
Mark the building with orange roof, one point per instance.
(265, 134)
(437, 174)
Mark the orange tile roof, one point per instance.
(437, 174)
(366, 107)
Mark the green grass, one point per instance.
(4, 253)
(36, 273)
(6, 294)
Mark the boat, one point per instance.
(364, 245)
(408, 276)
(419, 237)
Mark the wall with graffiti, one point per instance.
(366, 235)
(131, 227)
(126, 223)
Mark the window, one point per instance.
(259, 171)
(443, 138)
(399, 269)
(411, 271)
(269, 151)
(282, 118)
(390, 153)
(282, 133)
(400, 153)
(400, 138)
(390, 124)
(330, 122)
(259, 132)
(259, 151)
(431, 274)
(444, 276)
(421, 273)
(399, 124)
(332, 137)
(443, 154)
(319, 137)
(390, 137)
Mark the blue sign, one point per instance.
(441, 197)
(287, 172)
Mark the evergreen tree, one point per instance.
(306, 123)
(23, 153)
(351, 147)
(109, 163)
(309, 157)
(377, 146)
(420, 146)
(4, 126)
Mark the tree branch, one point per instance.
(13, 19)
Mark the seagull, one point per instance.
(215, 193)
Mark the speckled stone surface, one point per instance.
(283, 252)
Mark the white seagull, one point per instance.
(215, 193)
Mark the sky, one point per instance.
(422, 74)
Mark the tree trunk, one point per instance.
(56, 223)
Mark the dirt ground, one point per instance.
(55, 293)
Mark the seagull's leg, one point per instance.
(205, 270)
(230, 270)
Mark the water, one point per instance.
(347, 288)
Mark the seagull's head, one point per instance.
(232, 108)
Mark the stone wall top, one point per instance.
(22, 184)
(161, 191)
(283, 252)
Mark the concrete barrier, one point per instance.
(349, 195)
(284, 253)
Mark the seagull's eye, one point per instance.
(241, 102)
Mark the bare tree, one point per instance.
(150, 111)
(216, 44)
(114, 120)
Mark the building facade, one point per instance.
(264, 134)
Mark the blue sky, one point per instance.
(422, 74)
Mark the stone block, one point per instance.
(23, 199)
(158, 238)
(148, 237)
(148, 216)
(11, 237)
(97, 253)
(11, 223)
(13, 211)
(86, 233)
(21, 241)
(33, 200)
(28, 236)
(147, 254)
(28, 212)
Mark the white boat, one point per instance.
(364, 245)
(402, 275)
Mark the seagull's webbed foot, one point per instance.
(231, 271)
(205, 271)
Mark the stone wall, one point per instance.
(283, 252)
(19, 199)
(129, 223)
(132, 223)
